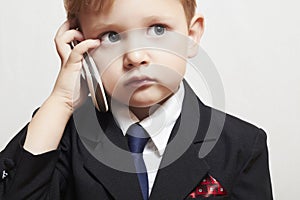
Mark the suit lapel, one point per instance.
(181, 169)
(108, 159)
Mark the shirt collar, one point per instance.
(155, 125)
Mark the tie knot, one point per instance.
(137, 138)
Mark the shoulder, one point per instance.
(220, 126)
(238, 140)
(233, 130)
(241, 132)
(221, 134)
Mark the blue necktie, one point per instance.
(137, 140)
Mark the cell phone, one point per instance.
(91, 74)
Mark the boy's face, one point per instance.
(139, 76)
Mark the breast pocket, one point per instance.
(209, 198)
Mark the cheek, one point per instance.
(174, 63)
(110, 77)
(107, 83)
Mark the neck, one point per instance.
(141, 113)
(144, 112)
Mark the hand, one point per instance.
(70, 88)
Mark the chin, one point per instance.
(148, 100)
(143, 103)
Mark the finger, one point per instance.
(62, 42)
(69, 36)
(77, 54)
(60, 47)
(63, 28)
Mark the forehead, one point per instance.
(106, 5)
(137, 10)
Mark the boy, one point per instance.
(63, 154)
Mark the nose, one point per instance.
(135, 59)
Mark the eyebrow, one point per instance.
(154, 18)
(146, 21)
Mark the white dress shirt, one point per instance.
(158, 125)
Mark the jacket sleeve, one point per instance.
(27, 176)
(254, 179)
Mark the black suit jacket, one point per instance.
(92, 161)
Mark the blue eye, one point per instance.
(157, 30)
(110, 37)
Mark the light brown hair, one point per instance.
(73, 7)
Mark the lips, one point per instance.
(139, 81)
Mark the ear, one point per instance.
(196, 30)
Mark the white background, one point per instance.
(255, 46)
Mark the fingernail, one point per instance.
(97, 42)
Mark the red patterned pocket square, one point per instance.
(208, 187)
